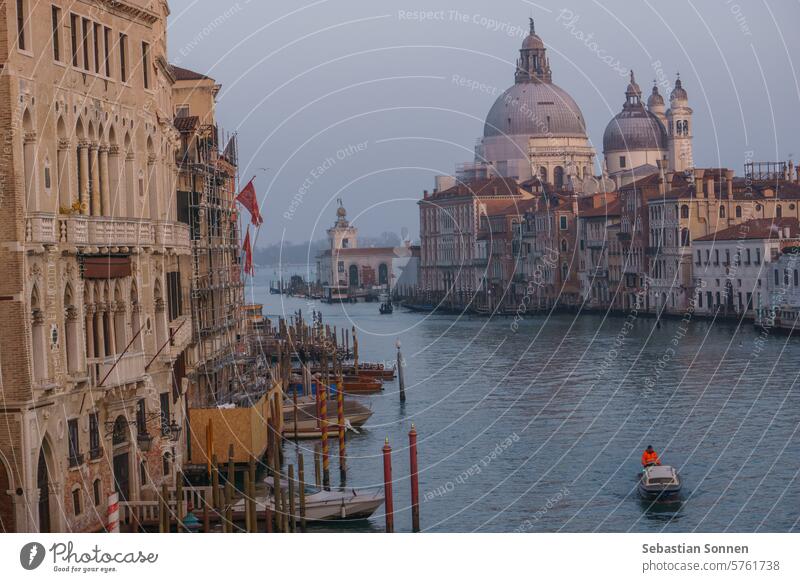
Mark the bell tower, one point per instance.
(679, 129)
(342, 235)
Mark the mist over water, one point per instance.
(542, 429)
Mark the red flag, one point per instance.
(248, 255)
(247, 198)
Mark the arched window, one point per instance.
(722, 212)
(564, 272)
(738, 212)
(558, 177)
(685, 237)
(685, 211)
(778, 211)
(563, 245)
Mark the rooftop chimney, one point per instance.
(698, 183)
(729, 174)
(424, 194)
(669, 176)
(710, 190)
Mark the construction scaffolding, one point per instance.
(208, 175)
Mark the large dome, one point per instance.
(536, 110)
(633, 130)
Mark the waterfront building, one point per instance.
(497, 258)
(207, 172)
(344, 264)
(94, 293)
(710, 200)
(449, 224)
(783, 310)
(535, 128)
(599, 266)
(740, 268)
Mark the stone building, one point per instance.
(346, 265)
(206, 191)
(449, 225)
(94, 293)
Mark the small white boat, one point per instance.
(324, 505)
(659, 483)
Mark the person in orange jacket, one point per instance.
(650, 457)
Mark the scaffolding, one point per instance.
(209, 175)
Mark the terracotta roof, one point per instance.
(186, 124)
(611, 209)
(758, 228)
(480, 188)
(182, 74)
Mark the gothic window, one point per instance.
(738, 212)
(778, 211)
(722, 212)
(685, 211)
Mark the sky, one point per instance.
(368, 101)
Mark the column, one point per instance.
(105, 189)
(115, 190)
(95, 177)
(112, 334)
(100, 347)
(90, 352)
(62, 173)
(83, 186)
(128, 193)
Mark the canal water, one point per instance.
(540, 426)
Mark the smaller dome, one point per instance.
(678, 92)
(655, 99)
(633, 87)
(532, 42)
(634, 129)
(341, 212)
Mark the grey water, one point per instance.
(540, 426)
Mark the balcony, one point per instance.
(129, 370)
(180, 331)
(595, 244)
(75, 460)
(40, 228)
(101, 231)
(173, 235)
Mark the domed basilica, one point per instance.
(536, 129)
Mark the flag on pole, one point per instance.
(248, 255)
(247, 198)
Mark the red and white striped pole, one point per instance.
(112, 513)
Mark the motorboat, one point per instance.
(308, 422)
(323, 505)
(659, 483)
(386, 308)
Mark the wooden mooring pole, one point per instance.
(340, 421)
(302, 491)
(400, 378)
(412, 451)
(229, 492)
(387, 486)
(292, 509)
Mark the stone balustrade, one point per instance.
(128, 370)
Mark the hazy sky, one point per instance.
(360, 100)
